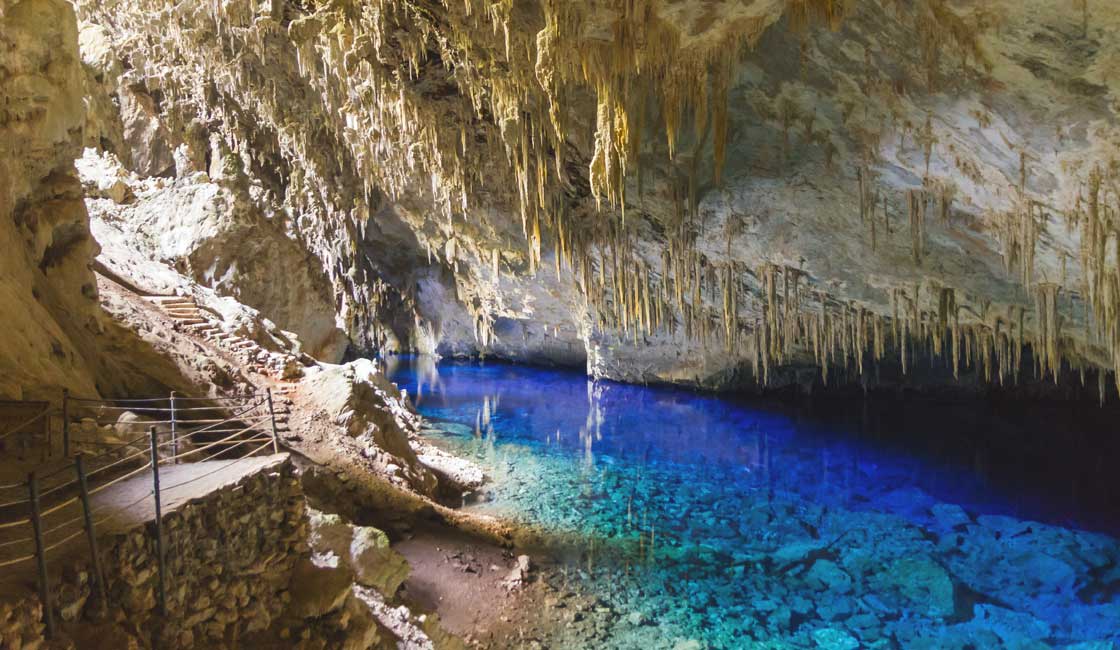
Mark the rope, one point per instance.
(62, 525)
(209, 431)
(119, 401)
(14, 503)
(213, 426)
(18, 560)
(63, 541)
(196, 408)
(13, 486)
(60, 506)
(17, 541)
(143, 436)
(13, 524)
(46, 493)
(188, 423)
(216, 399)
(127, 443)
(142, 452)
(16, 429)
(209, 445)
(242, 442)
(121, 478)
(155, 409)
(135, 408)
(223, 467)
(249, 422)
(61, 468)
(96, 443)
(124, 508)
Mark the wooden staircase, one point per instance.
(189, 318)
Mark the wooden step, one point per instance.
(178, 304)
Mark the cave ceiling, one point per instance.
(755, 181)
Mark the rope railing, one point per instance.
(66, 500)
(19, 427)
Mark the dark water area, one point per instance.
(810, 523)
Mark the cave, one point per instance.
(683, 324)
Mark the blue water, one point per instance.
(700, 521)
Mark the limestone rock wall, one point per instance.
(363, 416)
(47, 291)
(220, 232)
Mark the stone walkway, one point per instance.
(120, 508)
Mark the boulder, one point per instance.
(374, 563)
(363, 551)
(318, 590)
(917, 583)
(831, 638)
(825, 574)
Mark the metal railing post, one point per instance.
(40, 554)
(174, 437)
(87, 514)
(65, 423)
(160, 556)
(272, 414)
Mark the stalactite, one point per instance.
(916, 201)
(515, 91)
(861, 176)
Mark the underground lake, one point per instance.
(744, 524)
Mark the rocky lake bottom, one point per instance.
(695, 522)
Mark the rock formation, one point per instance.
(48, 291)
(665, 191)
(719, 195)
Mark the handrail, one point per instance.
(97, 400)
(149, 400)
(45, 413)
(247, 423)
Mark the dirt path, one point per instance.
(476, 588)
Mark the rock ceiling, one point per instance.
(674, 189)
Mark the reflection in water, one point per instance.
(846, 523)
(423, 369)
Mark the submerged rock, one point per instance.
(949, 515)
(834, 639)
(825, 574)
(918, 584)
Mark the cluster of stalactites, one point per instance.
(1097, 211)
(291, 122)
(775, 315)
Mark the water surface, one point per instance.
(704, 521)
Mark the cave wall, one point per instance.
(47, 290)
(663, 191)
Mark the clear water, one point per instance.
(703, 522)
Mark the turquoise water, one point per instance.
(702, 522)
